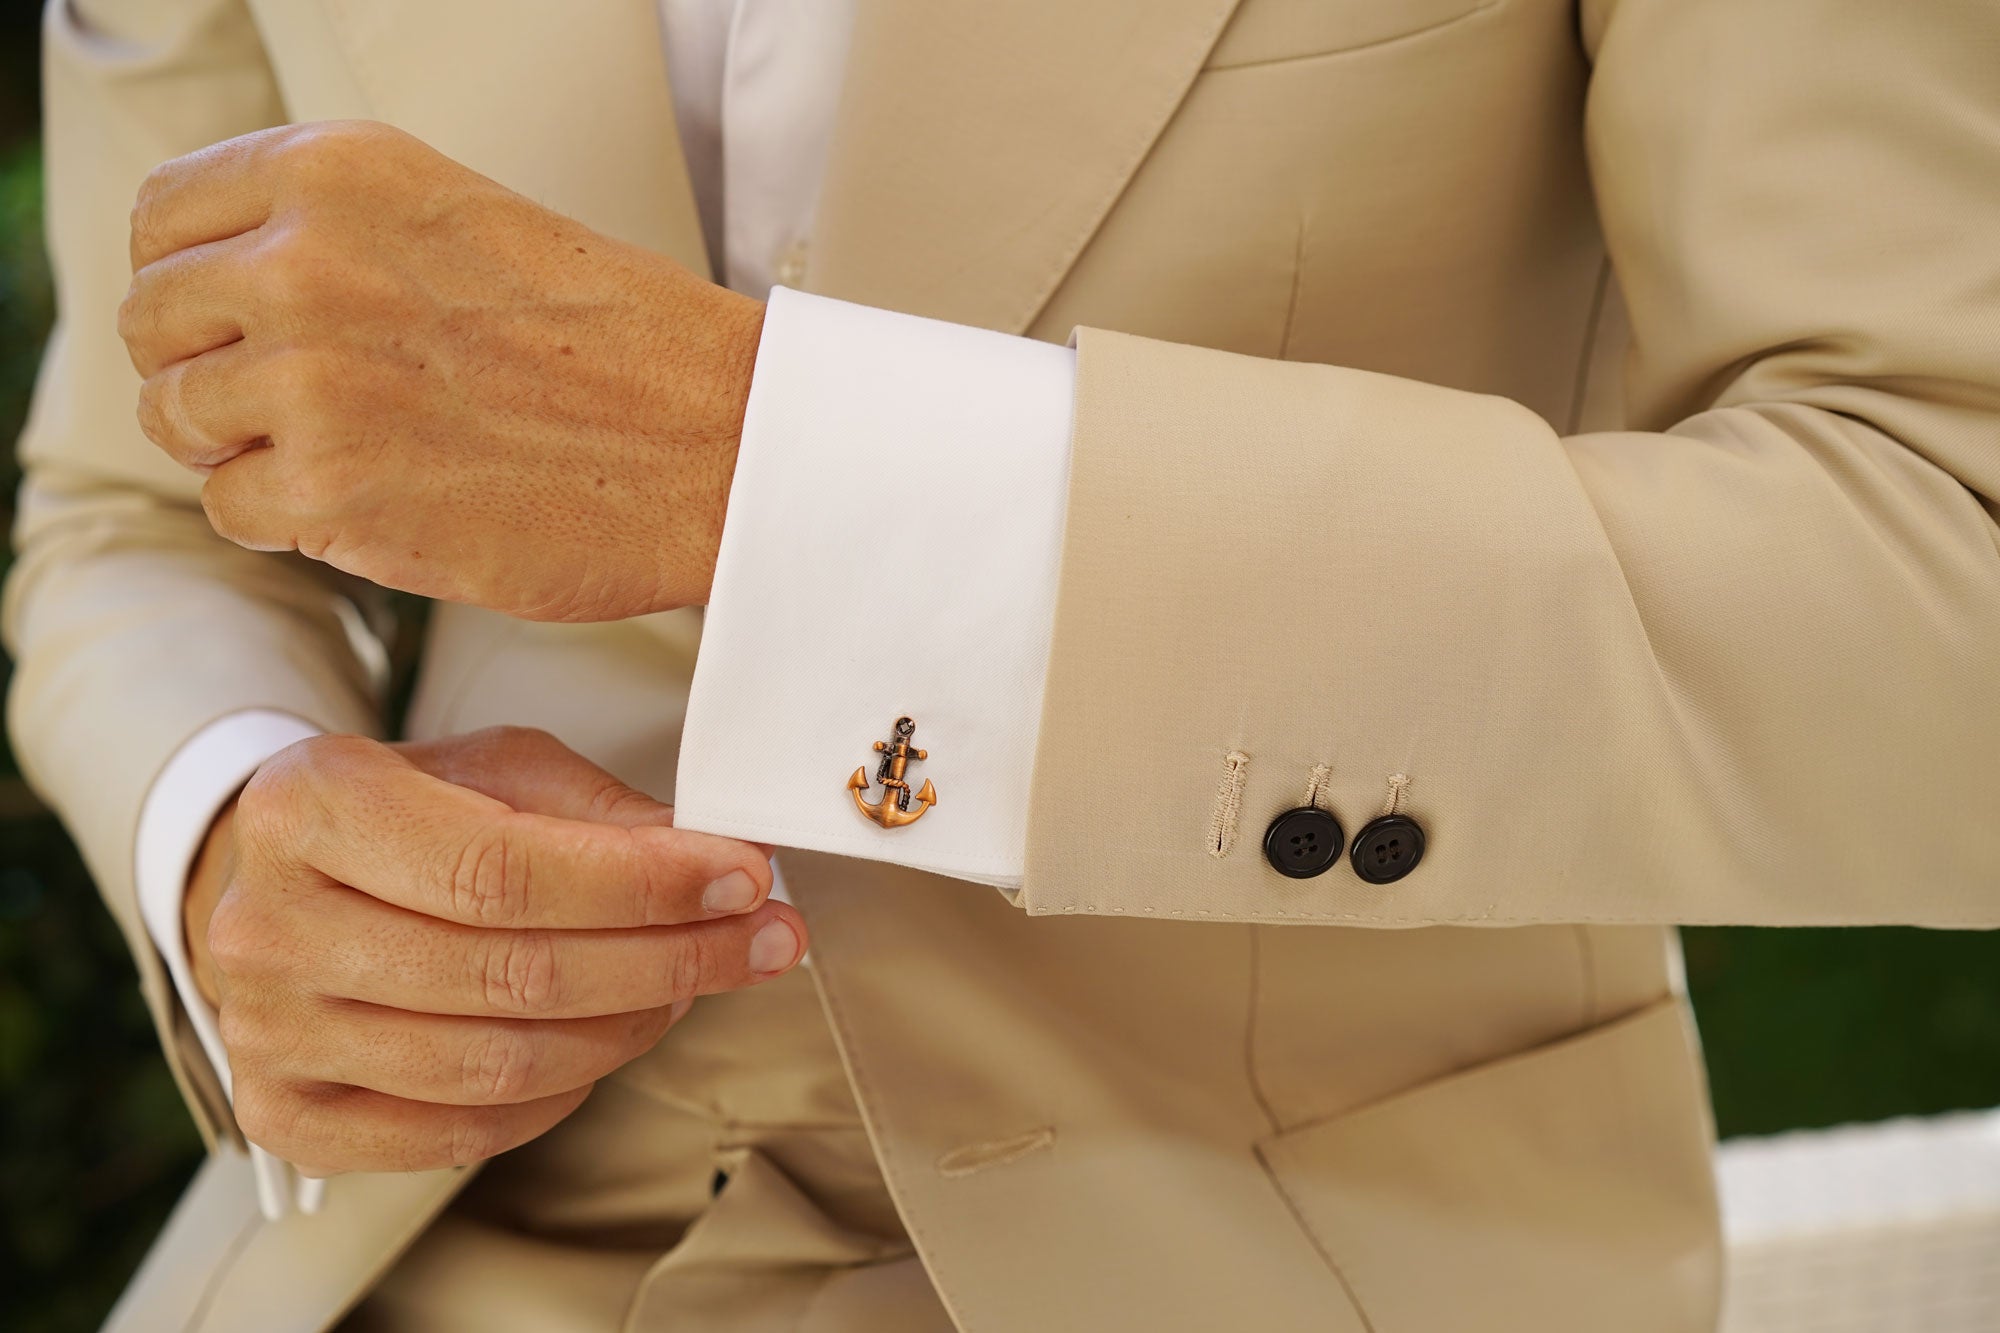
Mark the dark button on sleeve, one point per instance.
(1303, 842)
(1388, 848)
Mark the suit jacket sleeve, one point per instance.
(1737, 664)
(133, 625)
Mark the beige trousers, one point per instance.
(722, 1182)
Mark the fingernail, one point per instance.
(734, 892)
(679, 1011)
(774, 948)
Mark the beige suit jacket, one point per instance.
(1363, 478)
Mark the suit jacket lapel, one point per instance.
(980, 144)
(590, 133)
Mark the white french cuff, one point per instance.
(892, 544)
(202, 777)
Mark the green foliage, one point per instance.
(1821, 1027)
(94, 1142)
(26, 302)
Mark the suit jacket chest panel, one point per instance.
(1417, 206)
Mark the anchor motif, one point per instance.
(893, 810)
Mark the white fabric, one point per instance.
(891, 548)
(201, 778)
(755, 84)
(1881, 1228)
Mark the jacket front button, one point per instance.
(1303, 842)
(1388, 848)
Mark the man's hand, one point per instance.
(388, 362)
(424, 955)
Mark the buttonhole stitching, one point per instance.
(975, 1157)
(1228, 804)
(1316, 785)
(1397, 782)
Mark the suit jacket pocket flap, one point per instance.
(1565, 1188)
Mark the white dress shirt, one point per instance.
(898, 497)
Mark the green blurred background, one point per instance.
(1809, 1027)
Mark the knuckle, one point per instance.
(689, 967)
(333, 759)
(472, 1138)
(498, 1066)
(282, 808)
(289, 267)
(490, 882)
(338, 748)
(230, 520)
(144, 222)
(270, 1117)
(129, 312)
(307, 152)
(163, 414)
(242, 938)
(518, 973)
(268, 799)
(258, 1036)
(612, 800)
(324, 156)
(512, 736)
(242, 1032)
(154, 422)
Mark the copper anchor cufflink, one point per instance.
(893, 810)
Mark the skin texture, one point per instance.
(390, 363)
(513, 925)
(425, 955)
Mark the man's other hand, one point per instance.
(387, 361)
(426, 954)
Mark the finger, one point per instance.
(245, 498)
(324, 1130)
(533, 771)
(355, 948)
(401, 835)
(205, 411)
(459, 1061)
(216, 192)
(185, 303)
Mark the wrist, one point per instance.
(737, 328)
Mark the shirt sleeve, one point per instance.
(891, 550)
(202, 777)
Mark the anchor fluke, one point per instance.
(893, 810)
